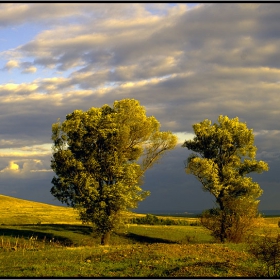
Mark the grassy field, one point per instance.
(40, 240)
(19, 211)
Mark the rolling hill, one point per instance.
(16, 211)
(20, 211)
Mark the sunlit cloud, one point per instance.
(11, 167)
(24, 168)
(184, 136)
(11, 64)
(18, 88)
(26, 151)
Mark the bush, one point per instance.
(235, 223)
(267, 249)
(150, 219)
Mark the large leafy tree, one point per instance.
(224, 153)
(100, 157)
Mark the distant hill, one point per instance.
(16, 211)
(20, 211)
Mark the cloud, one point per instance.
(23, 168)
(11, 64)
(26, 151)
(16, 14)
(12, 167)
(27, 68)
(31, 69)
(23, 161)
(184, 65)
(81, 44)
(19, 89)
(184, 136)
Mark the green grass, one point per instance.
(62, 247)
(142, 260)
(171, 234)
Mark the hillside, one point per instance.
(16, 211)
(20, 211)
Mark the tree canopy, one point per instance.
(100, 157)
(224, 154)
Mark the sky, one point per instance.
(184, 63)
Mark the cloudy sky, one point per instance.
(183, 62)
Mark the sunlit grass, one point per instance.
(181, 234)
(19, 211)
(60, 246)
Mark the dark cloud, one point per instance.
(171, 188)
(36, 189)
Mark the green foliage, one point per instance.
(100, 157)
(224, 155)
(150, 219)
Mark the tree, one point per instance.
(224, 155)
(100, 157)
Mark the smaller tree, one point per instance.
(224, 156)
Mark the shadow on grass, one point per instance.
(59, 233)
(146, 239)
(80, 229)
(179, 271)
(40, 231)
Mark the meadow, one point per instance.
(40, 240)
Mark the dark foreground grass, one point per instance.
(138, 251)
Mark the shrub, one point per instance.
(236, 222)
(267, 249)
(150, 219)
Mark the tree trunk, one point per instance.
(223, 219)
(105, 238)
(223, 227)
